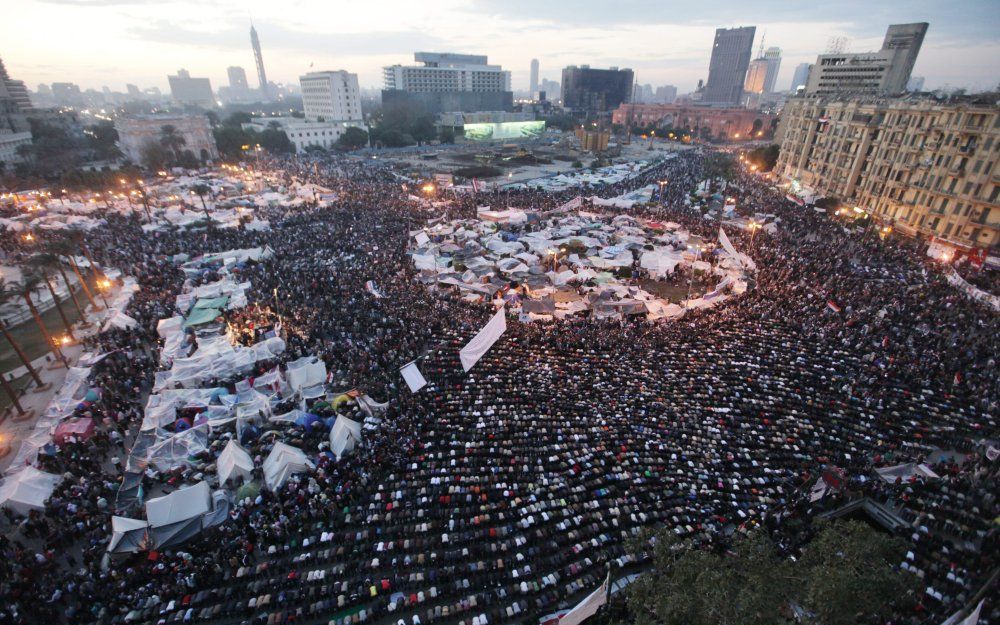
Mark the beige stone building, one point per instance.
(927, 167)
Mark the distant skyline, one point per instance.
(97, 43)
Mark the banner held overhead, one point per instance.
(482, 342)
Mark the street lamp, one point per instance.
(754, 227)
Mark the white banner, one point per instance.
(727, 245)
(482, 342)
(422, 239)
(589, 606)
(414, 379)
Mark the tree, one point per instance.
(154, 155)
(697, 586)
(447, 135)
(53, 251)
(200, 190)
(719, 165)
(172, 140)
(29, 282)
(847, 572)
(7, 293)
(43, 264)
(764, 158)
(276, 141)
(850, 571)
(66, 248)
(422, 129)
(102, 139)
(352, 139)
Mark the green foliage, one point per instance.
(577, 164)
(764, 158)
(847, 570)
(155, 155)
(478, 171)
(102, 139)
(276, 142)
(720, 165)
(447, 135)
(561, 121)
(352, 139)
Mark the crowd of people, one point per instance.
(503, 494)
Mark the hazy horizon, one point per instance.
(142, 41)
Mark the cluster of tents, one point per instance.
(572, 262)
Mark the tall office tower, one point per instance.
(763, 71)
(188, 90)
(773, 58)
(884, 72)
(533, 85)
(331, 96)
(904, 41)
(237, 78)
(596, 91)
(800, 77)
(261, 74)
(728, 68)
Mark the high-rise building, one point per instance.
(916, 83)
(727, 69)
(884, 72)
(552, 89)
(331, 96)
(448, 82)
(596, 91)
(761, 75)
(67, 94)
(14, 129)
(924, 166)
(237, 78)
(133, 92)
(265, 89)
(533, 82)
(665, 94)
(800, 77)
(187, 90)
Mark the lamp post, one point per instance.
(754, 227)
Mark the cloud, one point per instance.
(275, 37)
(99, 3)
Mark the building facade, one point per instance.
(596, 91)
(265, 87)
(306, 133)
(533, 80)
(331, 96)
(448, 82)
(800, 78)
(187, 90)
(699, 122)
(727, 69)
(763, 72)
(135, 133)
(884, 72)
(928, 168)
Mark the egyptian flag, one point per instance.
(833, 305)
(475, 185)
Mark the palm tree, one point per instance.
(12, 395)
(55, 262)
(42, 264)
(200, 190)
(29, 283)
(171, 139)
(7, 293)
(66, 248)
(77, 236)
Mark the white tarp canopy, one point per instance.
(306, 371)
(181, 505)
(484, 340)
(283, 462)
(233, 461)
(344, 435)
(27, 490)
(414, 379)
(127, 535)
(905, 472)
(120, 321)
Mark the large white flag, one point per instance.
(414, 379)
(727, 244)
(589, 606)
(972, 619)
(482, 342)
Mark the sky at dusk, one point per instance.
(97, 43)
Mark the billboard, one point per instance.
(504, 130)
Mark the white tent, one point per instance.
(176, 517)
(344, 435)
(27, 490)
(283, 462)
(180, 505)
(306, 371)
(127, 535)
(234, 461)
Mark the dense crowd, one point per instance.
(502, 494)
